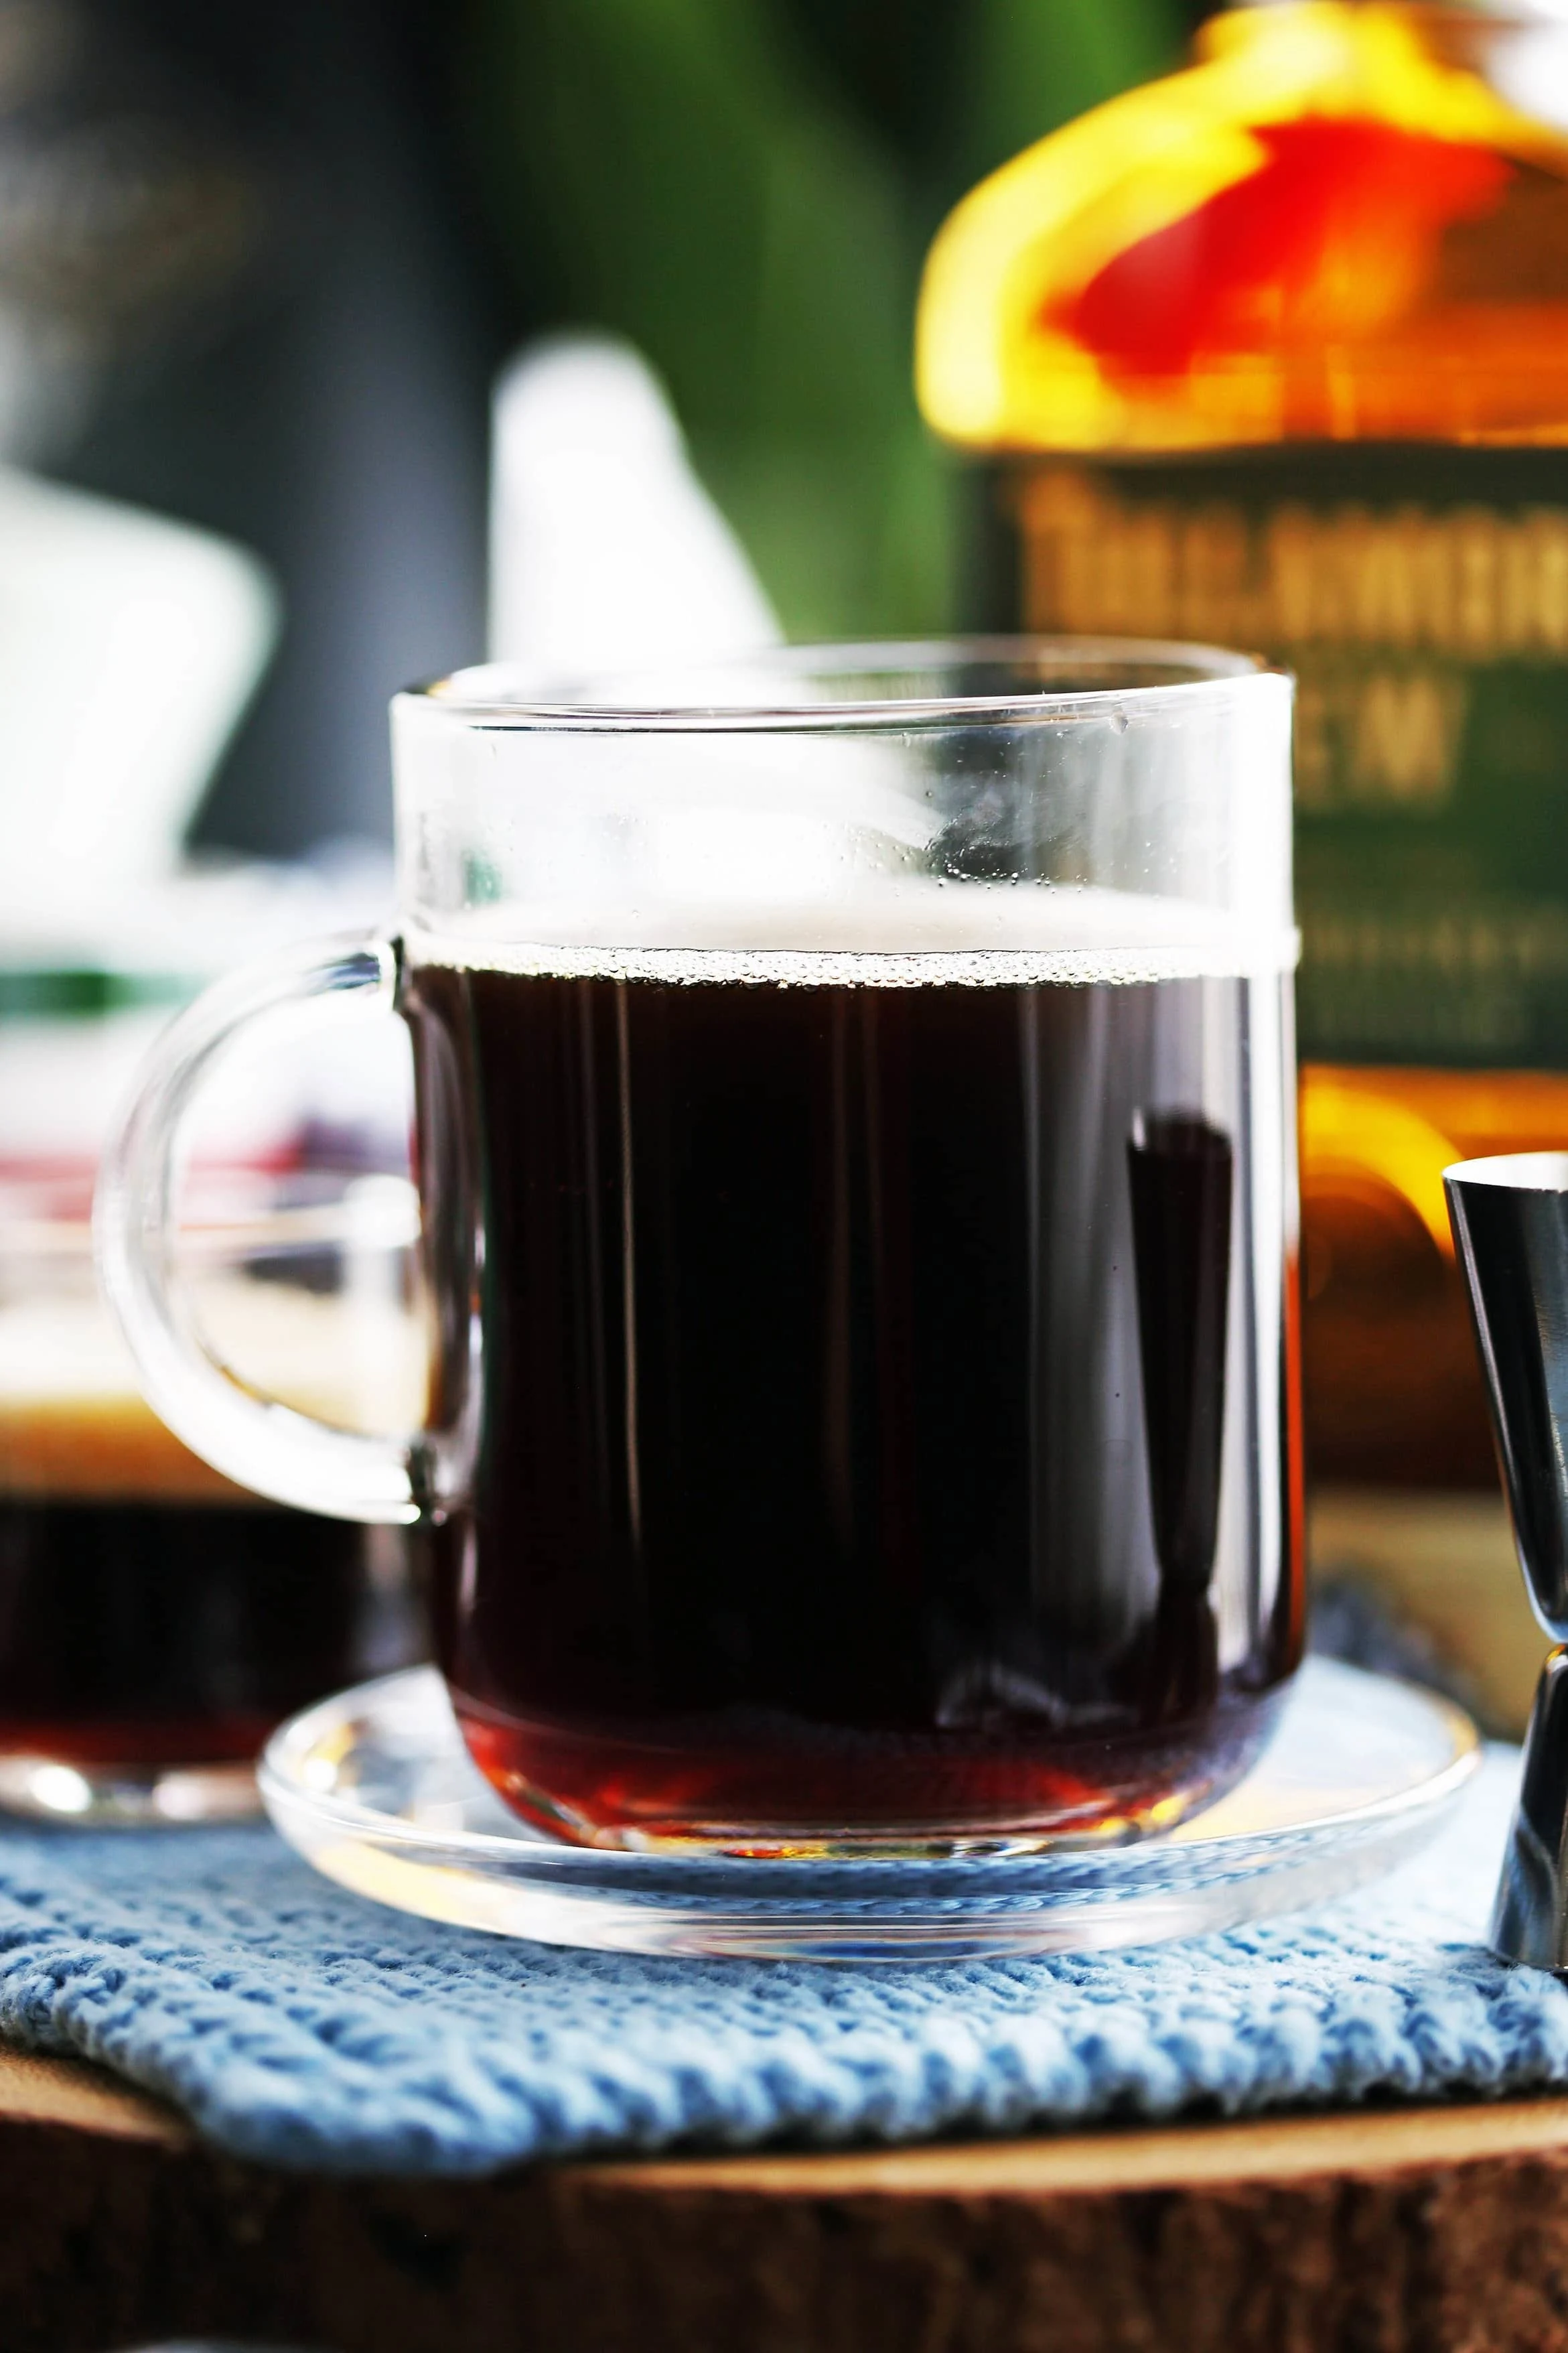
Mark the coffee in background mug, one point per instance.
(157, 1620)
(853, 1122)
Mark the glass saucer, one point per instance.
(375, 1789)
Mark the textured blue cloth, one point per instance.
(301, 2024)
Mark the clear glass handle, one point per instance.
(262, 1444)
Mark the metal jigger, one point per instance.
(1510, 1217)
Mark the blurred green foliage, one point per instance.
(746, 188)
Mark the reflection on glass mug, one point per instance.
(855, 1159)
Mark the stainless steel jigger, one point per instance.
(1510, 1217)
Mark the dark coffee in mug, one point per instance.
(884, 1394)
(163, 1634)
(153, 1614)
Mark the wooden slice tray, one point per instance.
(1410, 2230)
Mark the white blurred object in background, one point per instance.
(605, 550)
(84, 990)
(128, 647)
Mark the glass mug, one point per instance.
(854, 1137)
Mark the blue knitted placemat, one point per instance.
(301, 2024)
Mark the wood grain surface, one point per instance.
(1407, 2230)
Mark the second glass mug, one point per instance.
(855, 1143)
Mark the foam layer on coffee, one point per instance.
(905, 933)
(74, 1426)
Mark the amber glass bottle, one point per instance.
(1275, 352)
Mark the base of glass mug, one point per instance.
(93, 1795)
(924, 1843)
(808, 1794)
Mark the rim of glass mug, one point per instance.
(508, 695)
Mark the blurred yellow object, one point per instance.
(1296, 237)
(1393, 1388)
(1349, 1129)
